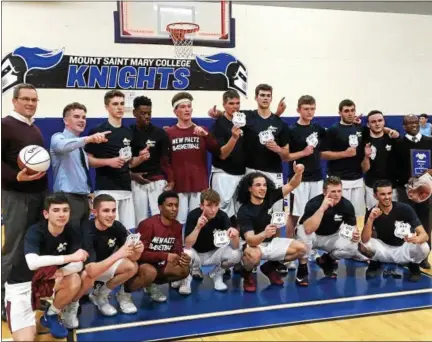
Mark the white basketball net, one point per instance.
(182, 35)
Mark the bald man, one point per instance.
(401, 168)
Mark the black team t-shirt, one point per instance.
(235, 163)
(338, 138)
(379, 159)
(385, 225)
(258, 156)
(205, 240)
(101, 244)
(119, 141)
(256, 217)
(300, 137)
(158, 142)
(39, 240)
(333, 217)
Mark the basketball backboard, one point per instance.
(146, 22)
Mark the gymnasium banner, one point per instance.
(53, 69)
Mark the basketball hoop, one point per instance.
(183, 46)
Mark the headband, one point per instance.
(175, 104)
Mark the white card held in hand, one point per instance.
(265, 136)
(353, 140)
(312, 139)
(346, 231)
(221, 238)
(134, 238)
(279, 219)
(402, 229)
(239, 119)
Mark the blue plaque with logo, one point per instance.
(420, 162)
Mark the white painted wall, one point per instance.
(379, 60)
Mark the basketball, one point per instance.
(35, 158)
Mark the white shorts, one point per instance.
(277, 178)
(354, 191)
(302, 194)
(188, 201)
(337, 246)
(145, 197)
(225, 185)
(275, 250)
(370, 199)
(18, 305)
(125, 206)
(408, 252)
(218, 256)
(109, 273)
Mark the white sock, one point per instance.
(53, 310)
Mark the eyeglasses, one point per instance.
(28, 99)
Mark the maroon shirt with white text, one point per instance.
(189, 158)
(159, 240)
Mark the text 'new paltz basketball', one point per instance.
(34, 158)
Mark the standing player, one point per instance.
(399, 235)
(22, 193)
(344, 150)
(163, 259)
(70, 163)
(329, 223)
(189, 146)
(257, 221)
(401, 170)
(226, 174)
(375, 164)
(265, 141)
(51, 242)
(305, 139)
(111, 159)
(149, 167)
(102, 236)
(210, 239)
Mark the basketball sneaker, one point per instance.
(125, 301)
(302, 277)
(70, 315)
(269, 269)
(249, 282)
(327, 265)
(54, 325)
(185, 287)
(156, 294)
(415, 274)
(101, 300)
(217, 275)
(373, 269)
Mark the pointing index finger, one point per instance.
(106, 132)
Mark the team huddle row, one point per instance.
(157, 180)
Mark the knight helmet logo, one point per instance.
(17, 65)
(229, 66)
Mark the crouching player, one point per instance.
(163, 259)
(102, 236)
(210, 239)
(259, 224)
(399, 237)
(329, 223)
(52, 252)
